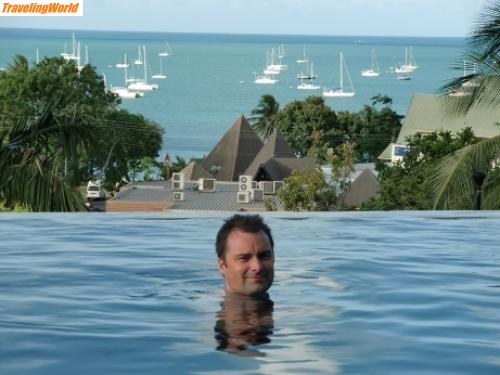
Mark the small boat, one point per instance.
(273, 65)
(160, 75)
(143, 85)
(410, 65)
(265, 80)
(403, 77)
(374, 71)
(125, 93)
(340, 93)
(124, 64)
(308, 86)
(167, 52)
(304, 59)
(138, 61)
(309, 73)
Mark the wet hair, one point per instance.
(245, 223)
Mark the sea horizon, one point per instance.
(236, 34)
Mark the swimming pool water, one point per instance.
(354, 293)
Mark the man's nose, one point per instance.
(255, 264)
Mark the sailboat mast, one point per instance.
(341, 72)
(145, 63)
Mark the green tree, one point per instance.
(452, 177)
(309, 125)
(312, 128)
(69, 102)
(264, 114)
(307, 190)
(406, 185)
(342, 167)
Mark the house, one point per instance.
(428, 113)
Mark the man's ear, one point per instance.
(222, 266)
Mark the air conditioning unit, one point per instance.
(267, 187)
(257, 195)
(206, 184)
(277, 186)
(244, 183)
(178, 196)
(243, 197)
(178, 185)
(178, 181)
(255, 184)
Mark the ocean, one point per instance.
(210, 77)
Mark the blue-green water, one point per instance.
(354, 293)
(210, 77)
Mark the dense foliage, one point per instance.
(312, 128)
(408, 184)
(451, 177)
(58, 127)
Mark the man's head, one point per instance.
(245, 251)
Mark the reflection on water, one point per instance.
(244, 322)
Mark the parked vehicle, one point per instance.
(94, 190)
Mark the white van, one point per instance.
(94, 190)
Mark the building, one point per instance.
(427, 113)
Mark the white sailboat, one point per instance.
(264, 80)
(274, 65)
(124, 64)
(160, 75)
(304, 59)
(340, 93)
(124, 92)
(143, 85)
(308, 86)
(138, 61)
(374, 71)
(271, 68)
(73, 55)
(167, 52)
(410, 64)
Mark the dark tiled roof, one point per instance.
(275, 147)
(279, 168)
(234, 152)
(364, 187)
(193, 171)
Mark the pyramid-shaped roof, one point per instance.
(275, 147)
(234, 152)
(193, 171)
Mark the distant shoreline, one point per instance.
(210, 36)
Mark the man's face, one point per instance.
(248, 265)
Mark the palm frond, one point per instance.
(452, 176)
(32, 162)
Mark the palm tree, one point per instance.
(33, 156)
(264, 114)
(453, 175)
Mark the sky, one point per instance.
(447, 18)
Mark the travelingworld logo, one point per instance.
(20, 8)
